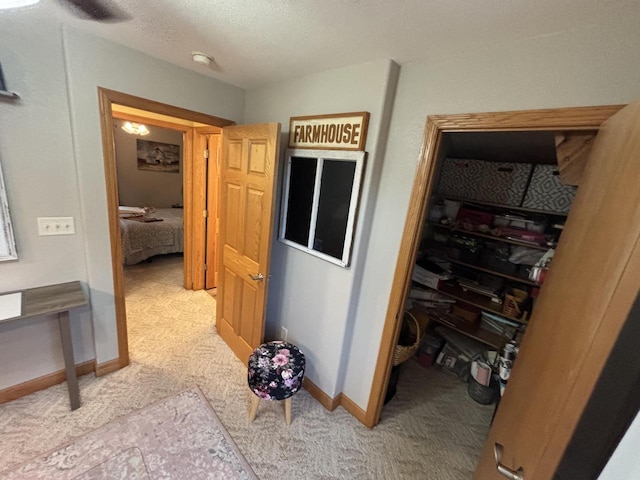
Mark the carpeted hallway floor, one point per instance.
(430, 430)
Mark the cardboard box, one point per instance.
(467, 313)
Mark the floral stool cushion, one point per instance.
(276, 370)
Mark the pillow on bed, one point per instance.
(126, 212)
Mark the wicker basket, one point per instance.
(513, 302)
(510, 306)
(405, 352)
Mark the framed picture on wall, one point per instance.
(158, 156)
(7, 241)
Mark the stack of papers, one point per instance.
(10, 305)
(428, 278)
(429, 295)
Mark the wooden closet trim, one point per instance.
(106, 98)
(151, 121)
(578, 118)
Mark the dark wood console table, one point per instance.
(56, 299)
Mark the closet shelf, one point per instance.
(465, 328)
(494, 272)
(476, 300)
(490, 237)
(508, 207)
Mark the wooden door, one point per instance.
(204, 205)
(247, 182)
(213, 221)
(593, 281)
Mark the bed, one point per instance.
(143, 239)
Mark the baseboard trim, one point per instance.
(353, 408)
(108, 367)
(340, 400)
(325, 400)
(46, 381)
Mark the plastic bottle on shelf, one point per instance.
(505, 363)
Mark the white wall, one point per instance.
(624, 463)
(51, 154)
(39, 172)
(146, 188)
(94, 62)
(313, 298)
(590, 66)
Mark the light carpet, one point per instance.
(430, 430)
(178, 437)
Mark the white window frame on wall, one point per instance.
(321, 156)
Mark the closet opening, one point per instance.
(496, 212)
(476, 278)
(493, 220)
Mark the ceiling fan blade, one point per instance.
(97, 10)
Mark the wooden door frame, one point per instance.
(576, 118)
(205, 201)
(106, 99)
(213, 207)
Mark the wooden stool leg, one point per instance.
(287, 410)
(254, 408)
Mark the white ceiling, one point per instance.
(256, 42)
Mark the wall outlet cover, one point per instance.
(56, 226)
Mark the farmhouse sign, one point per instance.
(341, 131)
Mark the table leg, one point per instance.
(287, 410)
(69, 362)
(254, 407)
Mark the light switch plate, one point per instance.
(56, 226)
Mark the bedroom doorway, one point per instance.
(150, 185)
(153, 152)
(157, 156)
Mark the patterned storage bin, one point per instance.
(547, 192)
(494, 182)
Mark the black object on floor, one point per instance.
(393, 383)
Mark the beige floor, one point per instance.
(430, 430)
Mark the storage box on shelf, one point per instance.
(468, 313)
(547, 192)
(523, 185)
(498, 182)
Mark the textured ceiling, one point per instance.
(256, 42)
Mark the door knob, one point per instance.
(498, 449)
(258, 278)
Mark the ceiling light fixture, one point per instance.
(202, 58)
(135, 129)
(8, 4)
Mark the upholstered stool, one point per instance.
(275, 372)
